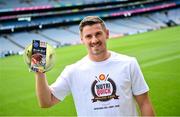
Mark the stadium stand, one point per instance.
(174, 15)
(120, 29)
(60, 28)
(133, 25)
(57, 34)
(8, 48)
(26, 38)
(30, 3)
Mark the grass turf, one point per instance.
(158, 53)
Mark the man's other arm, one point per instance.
(145, 105)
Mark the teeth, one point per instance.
(96, 46)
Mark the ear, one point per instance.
(81, 36)
(107, 34)
(82, 41)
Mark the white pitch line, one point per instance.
(158, 61)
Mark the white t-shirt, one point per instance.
(102, 88)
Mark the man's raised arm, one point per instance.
(45, 97)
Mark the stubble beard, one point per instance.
(98, 51)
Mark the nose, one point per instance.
(94, 40)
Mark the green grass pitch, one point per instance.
(158, 53)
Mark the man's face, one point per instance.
(94, 38)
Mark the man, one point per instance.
(103, 83)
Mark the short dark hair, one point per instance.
(91, 20)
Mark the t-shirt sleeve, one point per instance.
(60, 88)
(139, 85)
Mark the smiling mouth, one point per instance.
(96, 45)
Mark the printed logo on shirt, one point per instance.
(103, 88)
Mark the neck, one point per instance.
(100, 57)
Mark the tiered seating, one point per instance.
(145, 22)
(74, 29)
(120, 29)
(20, 3)
(161, 16)
(174, 15)
(61, 35)
(26, 38)
(156, 20)
(130, 24)
(69, 35)
(7, 47)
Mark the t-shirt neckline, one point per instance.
(100, 62)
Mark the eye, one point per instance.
(98, 34)
(88, 36)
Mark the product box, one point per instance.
(38, 58)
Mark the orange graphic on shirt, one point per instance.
(102, 77)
